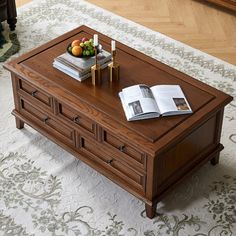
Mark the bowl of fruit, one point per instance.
(82, 48)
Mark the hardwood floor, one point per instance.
(22, 2)
(199, 24)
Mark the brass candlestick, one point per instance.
(96, 70)
(114, 68)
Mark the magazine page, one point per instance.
(128, 112)
(171, 100)
(139, 100)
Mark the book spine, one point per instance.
(82, 65)
(69, 68)
(74, 75)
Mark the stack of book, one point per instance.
(79, 68)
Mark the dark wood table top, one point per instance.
(102, 103)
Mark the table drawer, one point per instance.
(133, 155)
(97, 153)
(38, 96)
(76, 118)
(45, 121)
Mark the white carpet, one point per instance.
(46, 191)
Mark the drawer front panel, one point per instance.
(36, 94)
(79, 120)
(60, 130)
(96, 152)
(137, 158)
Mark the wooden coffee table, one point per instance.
(147, 158)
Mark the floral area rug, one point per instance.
(46, 191)
(9, 44)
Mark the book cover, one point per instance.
(74, 74)
(80, 65)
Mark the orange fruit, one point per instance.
(75, 43)
(77, 51)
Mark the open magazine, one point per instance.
(144, 102)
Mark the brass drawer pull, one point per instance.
(45, 120)
(109, 161)
(122, 148)
(76, 119)
(34, 93)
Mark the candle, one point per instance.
(95, 40)
(113, 45)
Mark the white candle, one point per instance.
(95, 40)
(113, 45)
